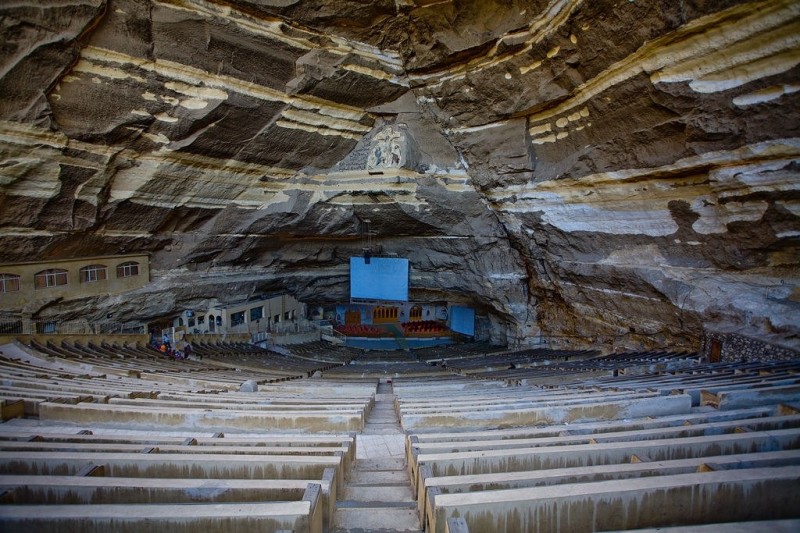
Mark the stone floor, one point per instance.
(377, 495)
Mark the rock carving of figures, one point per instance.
(395, 153)
(387, 149)
(376, 157)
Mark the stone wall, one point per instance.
(736, 347)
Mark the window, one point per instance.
(286, 315)
(50, 278)
(128, 270)
(202, 320)
(93, 273)
(256, 313)
(9, 283)
(46, 327)
(237, 318)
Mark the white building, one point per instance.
(270, 313)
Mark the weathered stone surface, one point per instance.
(595, 172)
(249, 386)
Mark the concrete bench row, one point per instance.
(435, 354)
(682, 499)
(515, 359)
(54, 476)
(503, 484)
(459, 405)
(611, 458)
(156, 400)
(267, 517)
(528, 411)
(254, 357)
(145, 444)
(134, 358)
(550, 367)
(228, 419)
(324, 351)
(128, 361)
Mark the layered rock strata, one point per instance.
(612, 171)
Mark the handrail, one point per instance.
(10, 325)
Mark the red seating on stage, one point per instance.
(359, 330)
(420, 328)
(424, 327)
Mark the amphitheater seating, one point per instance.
(527, 407)
(85, 486)
(375, 365)
(352, 330)
(322, 351)
(518, 359)
(424, 328)
(438, 354)
(110, 437)
(159, 431)
(730, 450)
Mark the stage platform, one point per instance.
(395, 336)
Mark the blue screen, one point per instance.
(462, 320)
(382, 279)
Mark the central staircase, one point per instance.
(377, 495)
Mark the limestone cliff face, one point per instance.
(622, 171)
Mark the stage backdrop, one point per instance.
(382, 279)
(462, 320)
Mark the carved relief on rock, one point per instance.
(388, 149)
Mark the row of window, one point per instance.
(256, 313)
(55, 277)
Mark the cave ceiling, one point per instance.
(623, 169)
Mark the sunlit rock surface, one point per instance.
(621, 172)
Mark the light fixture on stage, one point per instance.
(367, 236)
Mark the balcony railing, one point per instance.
(10, 325)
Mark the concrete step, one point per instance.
(380, 442)
(383, 417)
(383, 463)
(386, 416)
(378, 477)
(379, 431)
(376, 518)
(372, 493)
(391, 424)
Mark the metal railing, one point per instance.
(29, 326)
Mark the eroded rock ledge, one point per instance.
(610, 170)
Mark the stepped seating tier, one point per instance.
(99, 436)
(734, 441)
(138, 429)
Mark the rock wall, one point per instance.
(617, 168)
(734, 347)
